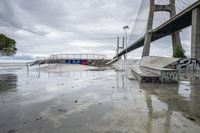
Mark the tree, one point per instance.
(7, 46)
(179, 53)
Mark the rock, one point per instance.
(24, 123)
(62, 110)
(130, 78)
(38, 118)
(76, 101)
(185, 125)
(190, 118)
(12, 131)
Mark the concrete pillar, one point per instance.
(176, 41)
(195, 46)
(147, 41)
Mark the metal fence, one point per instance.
(73, 57)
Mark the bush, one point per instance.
(179, 53)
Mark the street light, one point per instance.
(126, 28)
(126, 64)
(126, 35)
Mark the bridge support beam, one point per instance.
(176, 41)
(195, 46)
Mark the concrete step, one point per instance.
(157, 65)
(166, 75)
(157, 70)
(145, 76)
(155, 61)
(151, 70)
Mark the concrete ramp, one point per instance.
(159, 62)
(152, 69)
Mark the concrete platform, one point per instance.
(158, 62)
(152, 69)
(145, 76)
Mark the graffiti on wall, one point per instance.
(82, 62)
(169, 76)
(150, 80)
(188, 64)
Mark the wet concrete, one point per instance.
(96, 100)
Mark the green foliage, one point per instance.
(179, 53)
(7, 46)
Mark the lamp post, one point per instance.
(126, 28)
(126, 64)
(126, 35)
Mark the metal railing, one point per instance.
(40, 58)
(73, 57)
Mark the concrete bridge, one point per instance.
(188, 17)
(160, 69)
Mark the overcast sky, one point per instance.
(43, 27)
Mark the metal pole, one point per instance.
(126, 35)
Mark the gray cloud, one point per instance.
(43, 27)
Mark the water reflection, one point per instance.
(121, 81)
(190, 76)
(61, 74)
(155, 114)
(8, 81)
(171, 101)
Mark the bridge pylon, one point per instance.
(120, 47)
(176, 41)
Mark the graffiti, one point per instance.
(188, 64)
(82, 62)
(169, 76)
(150, 80)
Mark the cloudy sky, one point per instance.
(44, 27)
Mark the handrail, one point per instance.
(73, 56)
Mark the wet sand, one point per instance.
(81, 99)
